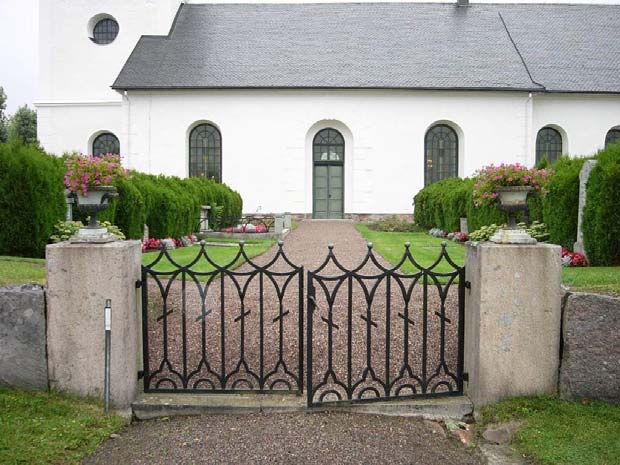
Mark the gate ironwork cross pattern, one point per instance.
(409, 342)
(373, 332)
(225, 328)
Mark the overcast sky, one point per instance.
(19, 42)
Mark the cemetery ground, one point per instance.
(559, 432)
(39, 428)
(425, 248)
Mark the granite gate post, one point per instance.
(512, 320)
(80, 277)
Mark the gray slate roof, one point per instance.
(572, 48)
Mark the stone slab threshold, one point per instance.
(149, 406)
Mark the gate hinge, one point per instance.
(466, 377)
(138, 284)
(467, 284)
(140, 374)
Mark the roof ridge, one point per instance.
(519, 52)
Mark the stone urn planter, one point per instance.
(512, 199)
(97, 200)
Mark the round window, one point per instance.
(104, 31)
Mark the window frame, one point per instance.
(102, 135)
(539, 154)
(456, 155)
(615, 136)
(338, 144)
(108, 33)
(193, 149)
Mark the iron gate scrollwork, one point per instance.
(222, 328)
(384, 332)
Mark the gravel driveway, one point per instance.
(355, 327)
(338, 439)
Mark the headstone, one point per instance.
(584, 175)
(288, 222)
(145, 235)
(464, 227)
(204, 218)
(279, 224)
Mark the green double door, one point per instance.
(328, 190)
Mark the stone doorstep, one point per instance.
(149, 406)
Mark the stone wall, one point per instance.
(590, 366)
(23, 362)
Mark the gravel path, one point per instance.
(306, 246)
(283, 439)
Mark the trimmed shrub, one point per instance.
(443, 203)
(31, 199)
(601, 216)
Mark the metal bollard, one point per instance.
(108, 337)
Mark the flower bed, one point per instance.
(456, 236)
(169, 243)
(575, 259)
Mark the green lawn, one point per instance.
(424, 248)
(44, 428)
(220, 254)
(597, 279)
(18, 270)
(557, 432)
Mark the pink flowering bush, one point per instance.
(489, 178)
(88, 171)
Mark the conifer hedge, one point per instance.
(441, 204)
(601, 216)
(32, 200)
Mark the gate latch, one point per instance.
(468, 285)
(138, 284)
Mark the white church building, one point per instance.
(327, 109)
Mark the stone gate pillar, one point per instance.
(512, 320)
(80, 277)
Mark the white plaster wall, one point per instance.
(71, 66)
(583, 119)
(72, 127)
(266, 137)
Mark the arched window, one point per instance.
(548, 144)
(105, 31)
(205, 152)
(441, 149)
(328, 174)
(328, 145)
(106, 143)
(613, 137)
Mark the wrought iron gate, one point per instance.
(373, 332)
(386, 332)
(219, 328)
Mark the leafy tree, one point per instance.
(3, 119)
(23, 125)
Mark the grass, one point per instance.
(424, 248)
(18, 270)
(49, 428)
(596, 279)
(557, 432)
(220, 254)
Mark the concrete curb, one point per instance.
(150, 406)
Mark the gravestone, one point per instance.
(288, 222)
(464, 227)
(586, 169)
